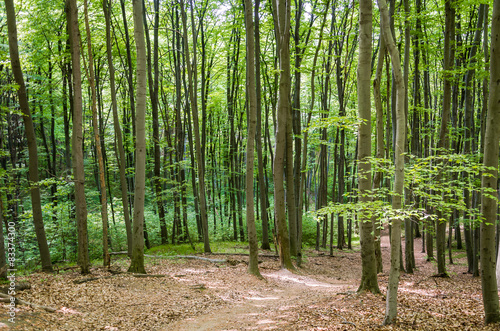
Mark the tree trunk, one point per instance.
(489, 207)
(282, 29)
(253, 265)
(258, 138)
(392, 287)
(191, 69)
(102, 181)
(77, 138)
(377, 178)
(137, 260)
(120, 155)
(30, 137)
(368, 262)
(443, 133)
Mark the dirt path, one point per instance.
(269, 309)
(191, 295)
(285, 295)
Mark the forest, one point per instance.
(138, 138)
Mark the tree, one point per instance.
(377, 178)
(369, 265)
(116, 125)
(191, 69)
(490, 178)
(392, 287)
(30, 137)
(153, 93)
(77, 137)
(137, 263)
(281, 10)
(443, 143)
(258, 134)
(253, 265)
(104, 202)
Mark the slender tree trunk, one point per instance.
(253, 265)
(191, 69)
(258, 138)
(368, 261)
(120, 155)
(443, 133)
(392, 287)
(282, 29)
(77, 138)
(153, 91)
(489, 207)
(409, 256)
(377, 178)
(30, 137)
(102, 181)
(137, 261)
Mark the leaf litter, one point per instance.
(199, 295)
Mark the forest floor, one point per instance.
(203, 295)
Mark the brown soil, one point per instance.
(201, 295)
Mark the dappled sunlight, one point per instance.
(285, 275)
(420, 292)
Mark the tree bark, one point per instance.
(281, 10)
(443, 142)
(489, 204)
(36, 203)
(191, 69)
(120, 155)
(137, 260)
(392, 287)
(377, 178)
(102, 182)
(258, 138)
(77, 137)
(368, 261)
(253, 264)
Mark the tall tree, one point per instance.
(153, 82)
(116, 125)
(30, 137)
(392, 287)
(489, 204)
(377, 178)
(137, 262)
(253, 265)
(258, 134)
(104, 202)
(368, 262)
(77, 137)
(443, 143)
(281, 11)
(191, 69)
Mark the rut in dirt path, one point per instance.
(266, 309)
